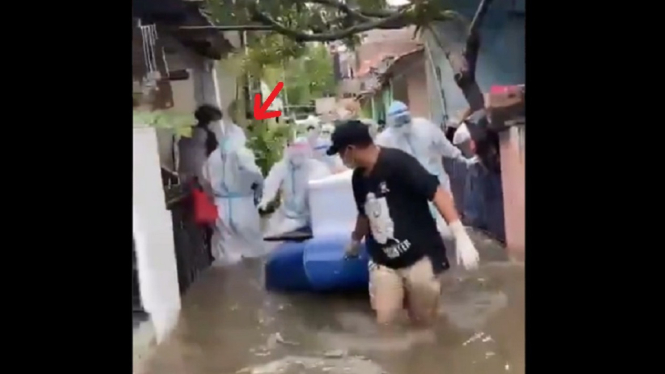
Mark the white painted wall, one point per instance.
(153, 234)
(202, 87)
(213, 86)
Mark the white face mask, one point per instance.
(348, 162)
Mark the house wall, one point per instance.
(409, 86)
(376, 45)
(513, 158)
(500, 62)
(153, 234)
(208, 83)
(417, 88)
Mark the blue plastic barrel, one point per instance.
(328, 270)
(285, 270)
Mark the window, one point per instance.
(400, 90)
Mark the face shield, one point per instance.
(312, 128)
(398, 116)
(312, 132)
(298, 152)
(400, 122)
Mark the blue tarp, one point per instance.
(478, 196)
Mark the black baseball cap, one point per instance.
(351, 132)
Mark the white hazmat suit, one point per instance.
(423, 140)
(291, 175)
(320, 144)
(327, 130)
(231, 171)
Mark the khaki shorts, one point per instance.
(414, 287)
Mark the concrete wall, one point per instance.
(376, 45)
(513, 158)
(417, 88)
(153, 234)
(207, 84)
(414, 79)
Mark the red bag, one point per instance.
(205, 212)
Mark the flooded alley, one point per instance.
(230, 324)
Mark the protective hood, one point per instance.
(398, 115)
(299, 151)
(327, 130)
(461, 135)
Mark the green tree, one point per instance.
(309, 76)
(301, 21)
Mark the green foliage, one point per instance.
(267, 142)
(307, 16)
(270, 50)
(309, 76)
(180, 123)
(307, 72)
(307, 67)
(320, 20)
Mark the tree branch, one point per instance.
(253, 27)
(330, 35)
(473, 37)
(360, 20)
(344, 8)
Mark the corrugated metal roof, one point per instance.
(378, 75)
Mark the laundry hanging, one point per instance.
(149, 37)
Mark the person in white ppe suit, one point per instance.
(320, 145)
(423, 140)
(462, 140)
(327, 130)
(232, 172)
(291, 175)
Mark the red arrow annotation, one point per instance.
(260, 110)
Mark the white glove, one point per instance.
(467, 255)
(471, 161)
(352, 249)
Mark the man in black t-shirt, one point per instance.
(392, 191)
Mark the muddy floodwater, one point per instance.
(230, 324)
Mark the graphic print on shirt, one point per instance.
(382, 225)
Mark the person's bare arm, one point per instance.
(362, 228)
(362, 223)
(445, 204)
